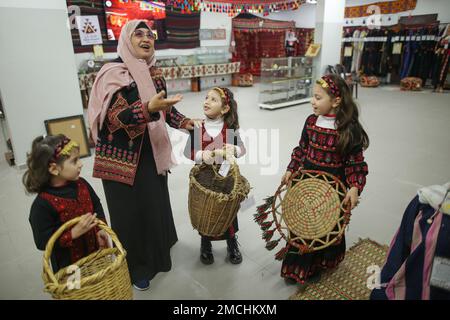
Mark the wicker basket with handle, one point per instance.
(103, 274)
(214, 200)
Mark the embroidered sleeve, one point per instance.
(175, 119)
(124, 114)
(299, 153)
(44, 222)
(356, 170)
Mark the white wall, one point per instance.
(38, 78)
(328, 33)
(441, 7)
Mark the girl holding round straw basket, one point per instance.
(214, 197)
(68, 222)
(330, 149)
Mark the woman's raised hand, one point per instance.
(159, 103)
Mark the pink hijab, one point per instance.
(114, 76)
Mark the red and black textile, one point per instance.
(317, 151)
(177, 31)
(305, 37)
(57, 205)
(258, 38)
(118, 147)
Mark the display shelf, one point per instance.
(285, 82)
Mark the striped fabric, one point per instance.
(423, 235)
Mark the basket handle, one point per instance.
(50, 244)
(226, 156)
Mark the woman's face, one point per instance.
(143, 42)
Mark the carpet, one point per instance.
(349, 280)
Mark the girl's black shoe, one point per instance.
(234, 255)
(206, 255)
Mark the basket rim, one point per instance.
(51, 280)
(346, 213)
(235, 192)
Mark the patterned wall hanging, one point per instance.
(386, 7)
(233, 7)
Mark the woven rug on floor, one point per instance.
(349, 280)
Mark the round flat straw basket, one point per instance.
(102, 275)
(311, 210)
(214, 200)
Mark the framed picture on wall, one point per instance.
(74, 128)
(313, 50)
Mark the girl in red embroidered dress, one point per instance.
(208, 143)
(53, 173)
(333, 141)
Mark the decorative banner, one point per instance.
(89, 30)
(386, 7)
(234, 7)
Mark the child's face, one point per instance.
(322, 103)
(212, 107)
(70, 169)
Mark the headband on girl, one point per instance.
(327, 83)
(224, 94)
(64, 148)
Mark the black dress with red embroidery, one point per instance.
(317, 151)
(137, 196)
(56, 205)
(120, 140)
(200, 140)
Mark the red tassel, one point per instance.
(260, 217)
(282, 253)
(266, 225)
(268, 234)
(272, 244)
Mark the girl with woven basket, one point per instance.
(53, 173)
(210, 142)
(332, 141)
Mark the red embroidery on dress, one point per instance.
(71, 208)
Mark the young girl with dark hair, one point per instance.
(53, 173)
(333, 141)
(209, 143)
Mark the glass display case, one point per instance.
(285, 82)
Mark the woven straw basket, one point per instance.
(308, 212)
(214, 201)
(104, 273)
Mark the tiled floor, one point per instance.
(409, 148)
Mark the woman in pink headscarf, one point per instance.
(128, 111)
